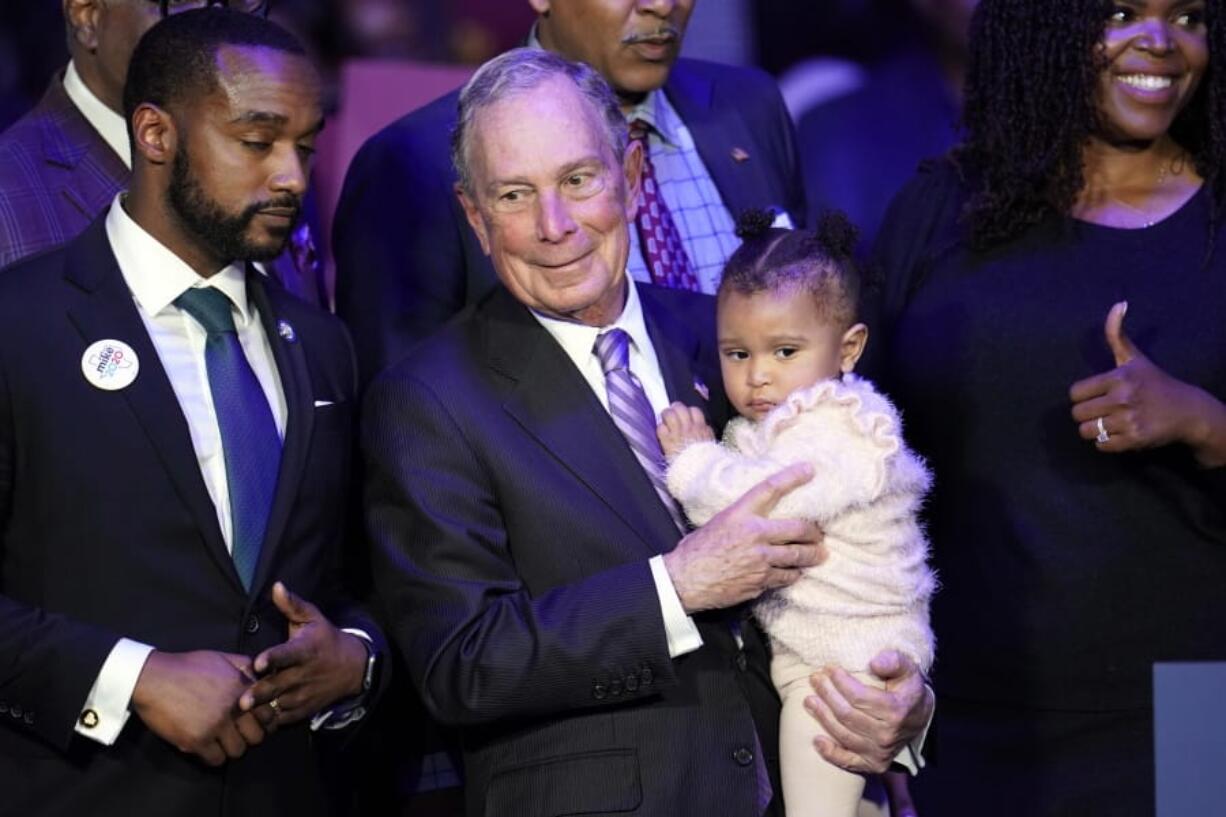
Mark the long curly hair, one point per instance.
(1031, 104)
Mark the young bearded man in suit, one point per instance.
(64, 161)
(717, 140)
(175, 435)
(545, 591)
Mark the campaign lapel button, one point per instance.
(110, 365)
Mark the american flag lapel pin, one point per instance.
(740, 155)
(702, 389)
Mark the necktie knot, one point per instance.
(210, 307)
(613, 349)
(639, 128)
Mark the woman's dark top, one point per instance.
(1065, 573)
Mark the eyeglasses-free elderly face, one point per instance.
(168, 7)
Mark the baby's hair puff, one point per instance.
(777, 260)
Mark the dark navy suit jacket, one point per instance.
(512, 528)
(107, 530)
(407, 260)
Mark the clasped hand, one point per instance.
(215, 705)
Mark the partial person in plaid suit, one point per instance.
(717, 141)
(63, 162)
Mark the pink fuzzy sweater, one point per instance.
(873, 589)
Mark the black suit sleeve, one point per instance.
(399, 248)
(480, 646)
(48, 663)
(346, 582)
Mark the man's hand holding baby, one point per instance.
(682, 426)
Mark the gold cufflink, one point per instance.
(89, 719)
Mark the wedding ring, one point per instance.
(275, 706)
(1103, 436)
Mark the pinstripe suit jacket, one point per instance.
(56, 175)
(512, 528)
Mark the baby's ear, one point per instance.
(852, 347)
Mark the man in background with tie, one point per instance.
(64, 161)
(541, 584)
(175, 434)
(716, 140)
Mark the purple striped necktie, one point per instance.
(659, 238)
(632, 413)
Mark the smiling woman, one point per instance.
(1079, 516)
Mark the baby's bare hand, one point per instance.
(680, 426)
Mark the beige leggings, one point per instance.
(811, 786)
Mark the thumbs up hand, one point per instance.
(1137, 405)
(1117, 341)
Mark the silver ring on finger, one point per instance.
(1103, 436)
(275, 706)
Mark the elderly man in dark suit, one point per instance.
(64, 161)
(175, 435)
(544, 591)
(717, 140)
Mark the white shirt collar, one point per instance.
(578, 340)
(110, 125)
(655, 110)
(156, 276)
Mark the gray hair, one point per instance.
(523, 69)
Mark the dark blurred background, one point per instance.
(774, 34)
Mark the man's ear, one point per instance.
(82, 18)
(155, 136)
(852, 347)
(632, 166)
(473, 214)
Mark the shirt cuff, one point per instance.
(350, 710)
(106, 707)
(911, 757)
(682, 632)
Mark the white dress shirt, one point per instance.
(109, 124)
(578, 341)
(156, 277)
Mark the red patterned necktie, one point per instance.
(658, 235)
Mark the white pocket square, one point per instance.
(322, 403)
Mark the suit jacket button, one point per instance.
(743, 756)
(29, 719)
(15, 711)
(632, 683)
(4, 708)
(598, 691)
(741, 661)
(615, 687)
(253, 625)
(646, 676)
